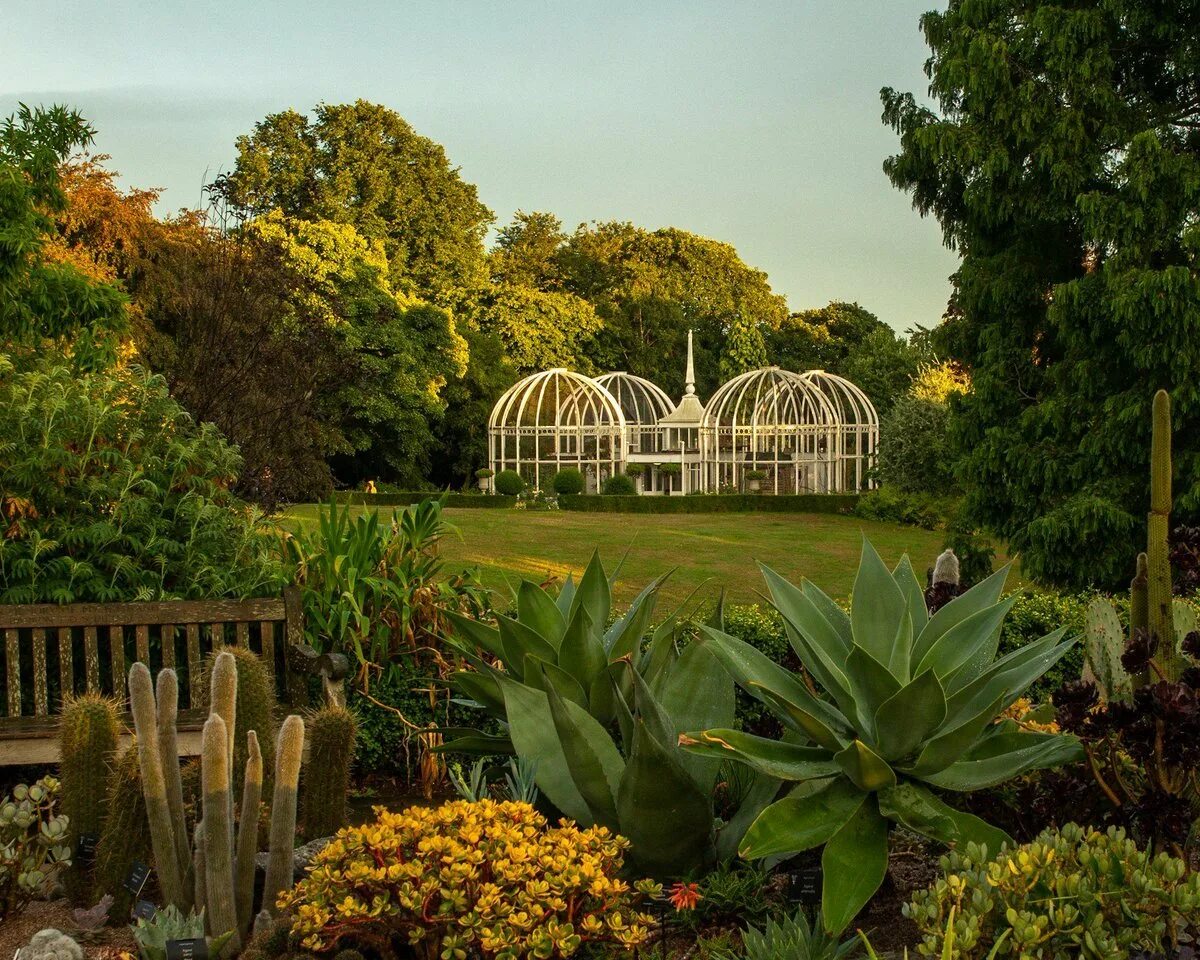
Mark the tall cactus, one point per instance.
(154, 787)
(223, 698)
(219, 899)
(1160, 620)
(331, 733)
(87, 741)
(255, 708)
(126, 833)
(288, 753)
(167, 688)
(247, 839)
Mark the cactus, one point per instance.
(247, 840)
(332, 733)
(1104, 642)
(223, 700)
(255, 708)
(154, 787)
(51, 944)
(219, 898)
(125, 836)
(288, 752)
(199, 877)
(167, 696)
(88, 730)
(945, 568)
(1158, 566)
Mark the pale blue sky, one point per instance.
(756, 123)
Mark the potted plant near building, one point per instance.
(754, 479)
(484, 477)
(669, 471)
(635, 472)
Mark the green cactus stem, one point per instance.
(1158, 567)
(289, 750)
(220, 904)
(331, 735)
(223, 697)
(87, 741)
(247, 838)
(255, 708)
(154, 788)
(167, 687)
(199, 878)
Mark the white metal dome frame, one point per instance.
(643, 404)
(553, 419)
(772, 420)
(858, 435)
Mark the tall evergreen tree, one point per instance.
(1063, 163)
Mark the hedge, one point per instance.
(480, 500)
(715, 503)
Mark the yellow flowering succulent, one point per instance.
(483, 877)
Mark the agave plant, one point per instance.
(599, 709)
(913, 702)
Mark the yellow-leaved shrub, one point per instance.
(482, 878)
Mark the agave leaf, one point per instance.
(795, 606)
(624, 637)
(647, 709)
(593, 592)
(698, 694)
(1011, 674)
(470, 632)
(907, 719)
(872, 683)
(906, 578)
(667, 819)
(473, 742)
(603, 695)
(480, 687)
(537, 610)
(876, 605)
(916, 808)
(984, 594)
(534, 737)
(794, 824)
(865, 768)
(969, 774)
(546, 676)
(566, 597)
(954, 743)
(966, 640)
(519, 641)
(838, 618)
(595, 764)
(899, 664)
(829, 675)
(812, 717)
(580, 652)
(660, 653)
(775, 758)
(853, 864)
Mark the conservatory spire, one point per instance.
(690, 377)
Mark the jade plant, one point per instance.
(33, 844)
(907, 703)
(597, 709)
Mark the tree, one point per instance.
(822, 338)
(362, 164)
(912, 453)
(538, 329)
(884, 365)
(526, 251)
(1063, 163)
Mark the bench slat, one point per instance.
(167, 642)
(13, 659)
(193, 656)
(216, 637)
(243, 634)
(142, 611)
(39, 672)
(266, 636)
(91, 652)
(116, 652)
(142, 633)
(66, 666)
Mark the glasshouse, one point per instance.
(769, 430)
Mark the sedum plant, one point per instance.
(470, 878)
(1074, 892)
(33, 844)
(599, 711)
(913, 702)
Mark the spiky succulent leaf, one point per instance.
(795, 824)
(919, 810)
(866, 769)
(593, 760)
(853, 863)
(538, 611)
(775, 758)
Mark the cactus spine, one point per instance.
(167, 688)
(247, 839)
(1158, 567)
(288, 753)
(154, 788)
(218, 831)
(87, 740)
(332, 733)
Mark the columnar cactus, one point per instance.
(247, 840)
(87, 741)
(1160, 619)
(220, 905)
(126, 833)
(154, 787)
(255, 708)
(331, 734)
(167, 689)
(223, 698)
(288, 752)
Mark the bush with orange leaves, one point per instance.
(470, 878)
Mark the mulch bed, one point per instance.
(16, 931)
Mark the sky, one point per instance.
(754, 122)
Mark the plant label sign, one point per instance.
(196, 949)
(804, 886)
(144, 910)
(86, 852)
(139, 873)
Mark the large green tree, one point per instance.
(364, 165)
(1062, 159)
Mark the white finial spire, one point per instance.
(690, 378)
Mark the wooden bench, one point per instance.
(48, 650)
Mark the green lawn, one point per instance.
(707, 550)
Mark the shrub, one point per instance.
(635, 469)
(619, 485)
(112, 492)
(508, 483)
(696, 502)
(1071, 893)
(33, 848)
(466, 877)
(568, 481)
(892, 505)
(913, 454)
(484, 474)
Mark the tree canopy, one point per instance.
(1062, 159)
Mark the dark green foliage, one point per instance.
(714, 503)
(257, 708)
(795, 938)
(88, 729)
(126, 833)
(731, 893)
(892, 505)
(619, 485)
(402, 499)
(1063, 165)
(114, 493)
(913, 453)
(508, 483)
(331, 731)
(1034, 614)
(568, 481)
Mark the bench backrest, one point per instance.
(48, 650)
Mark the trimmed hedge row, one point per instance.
(716, 503)
(482, 501)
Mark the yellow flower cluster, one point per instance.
(1021, 710)
(482, 877)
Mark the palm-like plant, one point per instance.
(913, 702)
